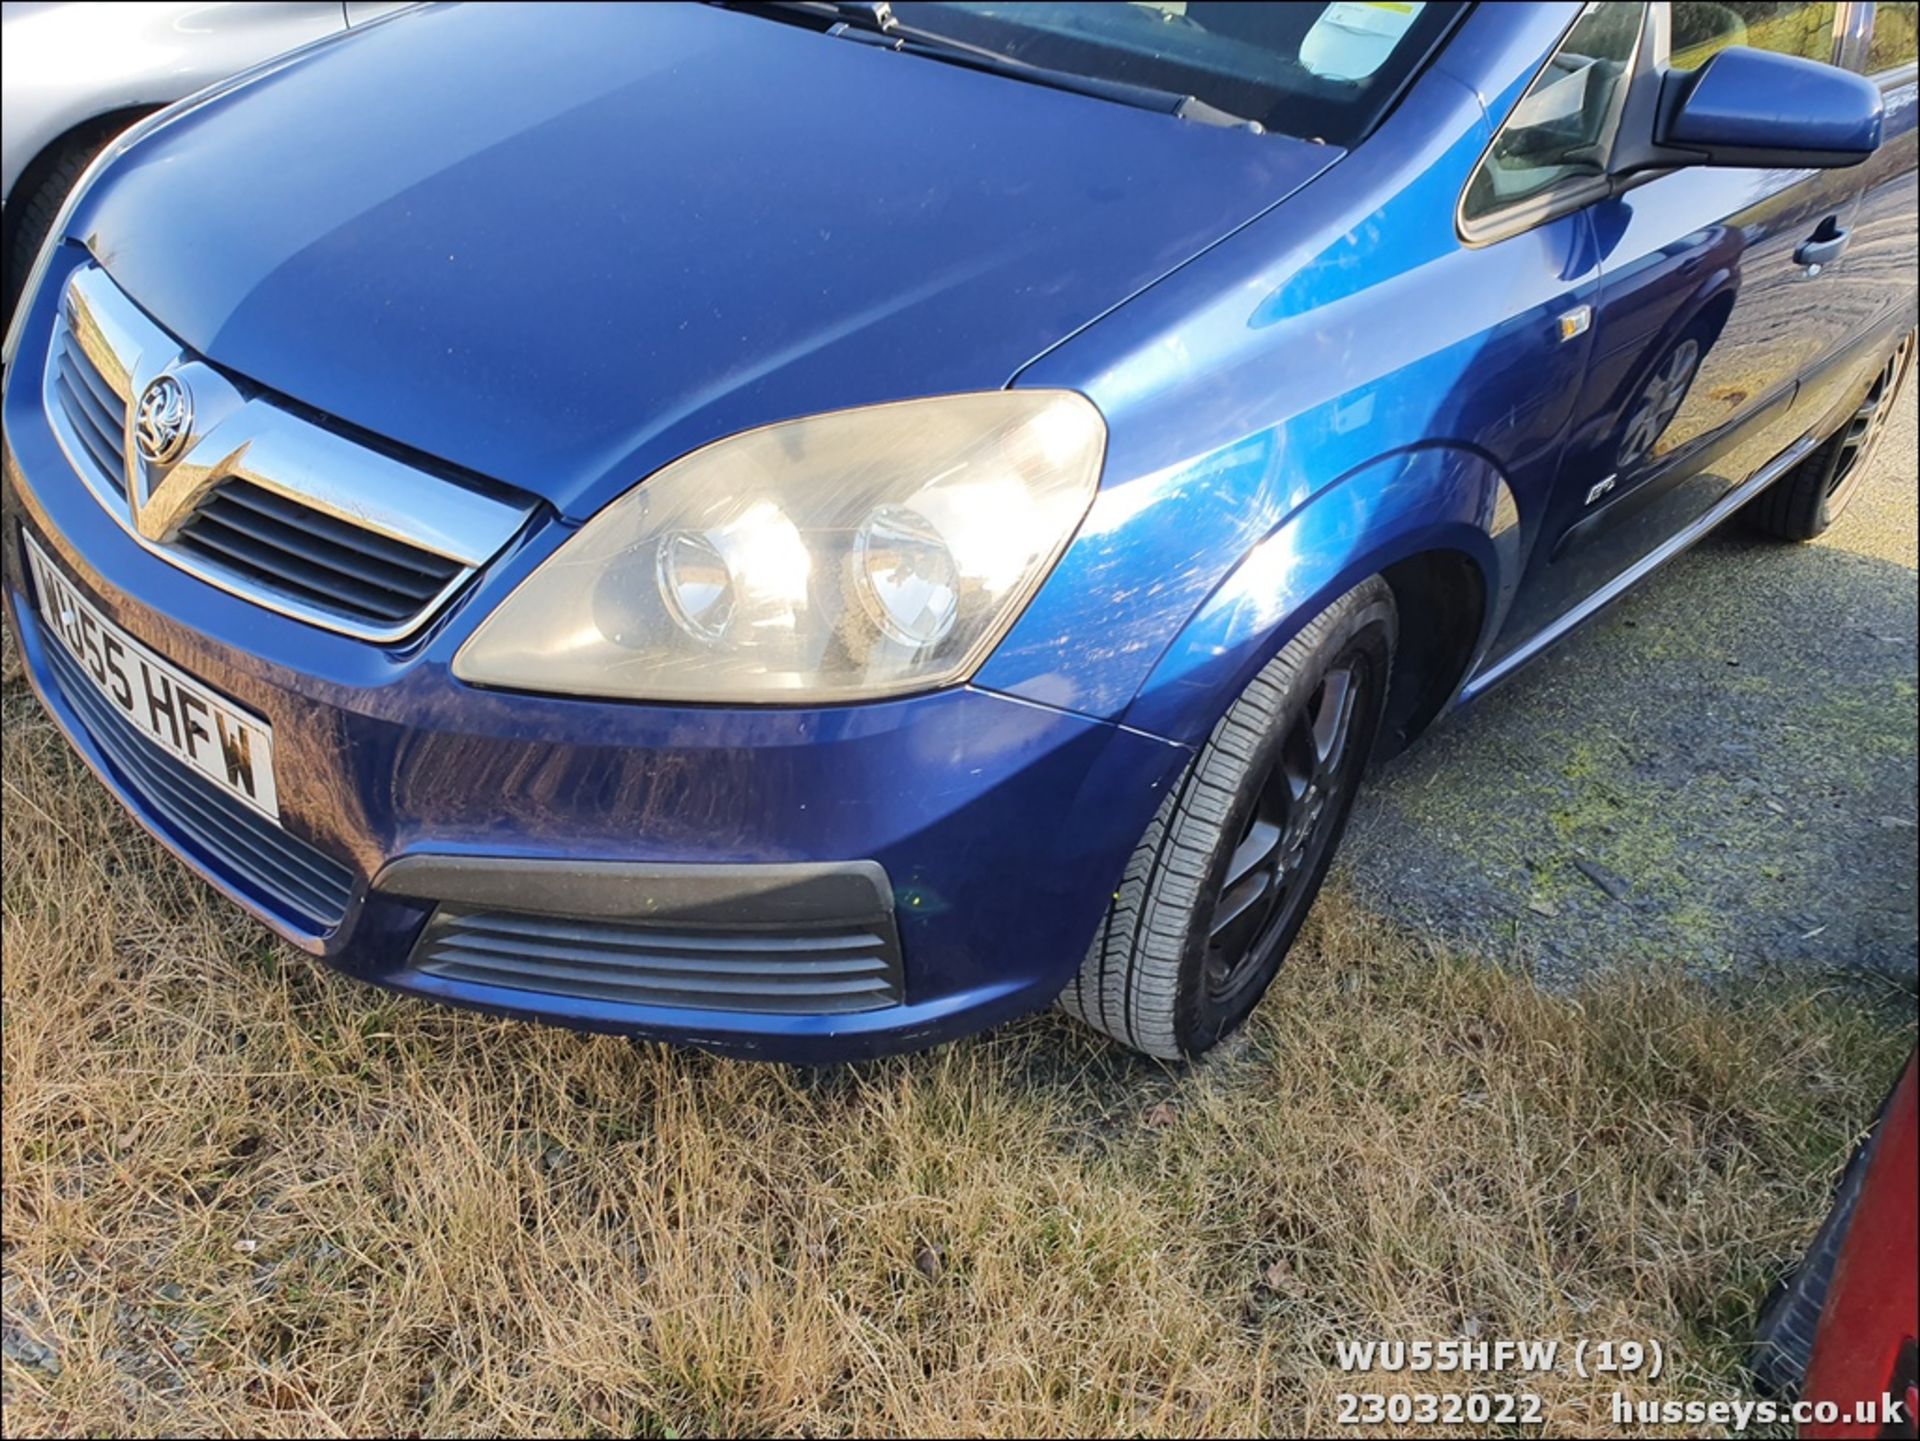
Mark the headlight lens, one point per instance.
(841, 557)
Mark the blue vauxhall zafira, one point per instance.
(809, 530)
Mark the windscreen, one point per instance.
(1321, 72)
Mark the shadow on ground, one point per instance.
(1719, 771)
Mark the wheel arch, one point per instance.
(33, 172)
(1442, 598)
(1438, 523)
(98, 130)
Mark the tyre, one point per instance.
(1790, 1318)
(37, 197)
(1783, 1339)
(1222, 880)
(1809, 498)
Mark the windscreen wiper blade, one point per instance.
(875, 24)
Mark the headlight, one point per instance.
(841, 557)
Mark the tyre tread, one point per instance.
(1129, 984)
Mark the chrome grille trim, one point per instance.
(314, 557)
(262, 503)
(94, 412)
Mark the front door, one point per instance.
(1708, 312)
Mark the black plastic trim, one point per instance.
(832, 970)
(803, 893)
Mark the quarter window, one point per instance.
(1894, 27)
(1703, 28)
(1562, 130)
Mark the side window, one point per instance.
(1562, 130)
(1703, 28)
(1894, 27)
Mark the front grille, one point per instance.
(791, 971)
(264, 500)
(315, 558)
(286, 875)
(96, 416)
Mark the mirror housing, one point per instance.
(1753, 108)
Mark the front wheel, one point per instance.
(1221, 882)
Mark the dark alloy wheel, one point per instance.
(1222, 880)
(1296, 809)
(1808, 499)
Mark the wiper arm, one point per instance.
(877, 13)
(874, 23)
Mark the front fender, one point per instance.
(1433, 498)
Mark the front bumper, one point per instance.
(1000, 826)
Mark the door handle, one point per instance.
(1823, 247)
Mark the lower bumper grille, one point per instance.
(790, 971)
(287, 875)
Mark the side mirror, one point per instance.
(1753, 108)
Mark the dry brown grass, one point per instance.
(242, 1194)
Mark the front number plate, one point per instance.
(197, 726)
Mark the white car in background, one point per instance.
(72, 76)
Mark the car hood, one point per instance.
(559, 246)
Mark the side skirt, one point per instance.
(1733, 500)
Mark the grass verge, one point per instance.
(242, 1194)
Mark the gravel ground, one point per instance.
(1721, 769)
